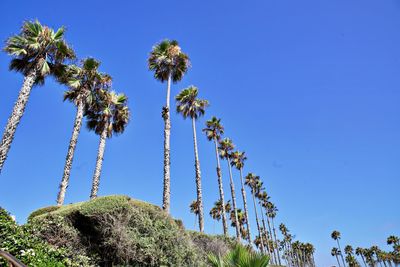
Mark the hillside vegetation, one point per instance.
(117, 230)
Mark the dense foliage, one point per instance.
(21, 242)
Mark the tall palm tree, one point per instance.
(82, 82)
(225, 149)
(335, 253)
(169, 64)
(263, 197)
(253, 181)
(265, 203)
(190, 106)
(37, 52)
(336, 236)
(271, 213)
(238, 159)
(109, 116)
(214, 130)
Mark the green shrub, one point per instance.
(42, 211)
(21, 242)
(117, 230)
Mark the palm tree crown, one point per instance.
(238, 159)
(110, 111)
(225, 148)
(189, 105)
(214, 129)
(167, 59)
(39, 48)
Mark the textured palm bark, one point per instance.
(221, 189)
(238, 236)
(16, 115)
(258, 223)
(99, 163)
(198, 178)
(70, 154)
(276, 241)
(167, 153)
(246, 211)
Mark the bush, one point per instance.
(21, 242)
(117, 230)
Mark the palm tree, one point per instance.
(335, 253)
(265, 203)
(271, 213)
(194, 208)
(253, 181)
(169, 64)
(217, 212)
(190, 106)
(240, 256)
(82, 81)
(336, 236)
(360, 252)
(37, 52)
(109, 116)
(350, 259)
(225, 148)
(238, 159)
(214, 130)
(241, 218)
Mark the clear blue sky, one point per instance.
(309, 89)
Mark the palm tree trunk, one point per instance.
(70, 154)
(362, 257)
(258, 223)
(198, 178)
(337, 258)
(16, 115)
(234, 200)
(266, 231)
(99, 163)
(246, 213)
(273, 248)
(167, 152)
(341, 252)
(221, 189)
(276, 242)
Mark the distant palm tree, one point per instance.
(83, 82)
(194, 208)
(241, 219)
(217, 212)
(350, 259)
(253, 181)
(37, 51)
(190, 106)
(169, 64)
(238, 159)
(265, 203)
(335, 253)
(225, 149)
(271, 213)
(214, 130)
(110, 116)
(336, 236)
(360, 252)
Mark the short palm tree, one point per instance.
(240, 256)
(238, 159)
(169, 64)
(190, 106)
(253, 181)
(214, 130)
(225, 149)
(37, 52)
(242, 222)
(336, 236)
(109, 116)
(217, 212)
(194, 208)
(82, 82)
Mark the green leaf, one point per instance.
(59, 33)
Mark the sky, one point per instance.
(309, 89)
